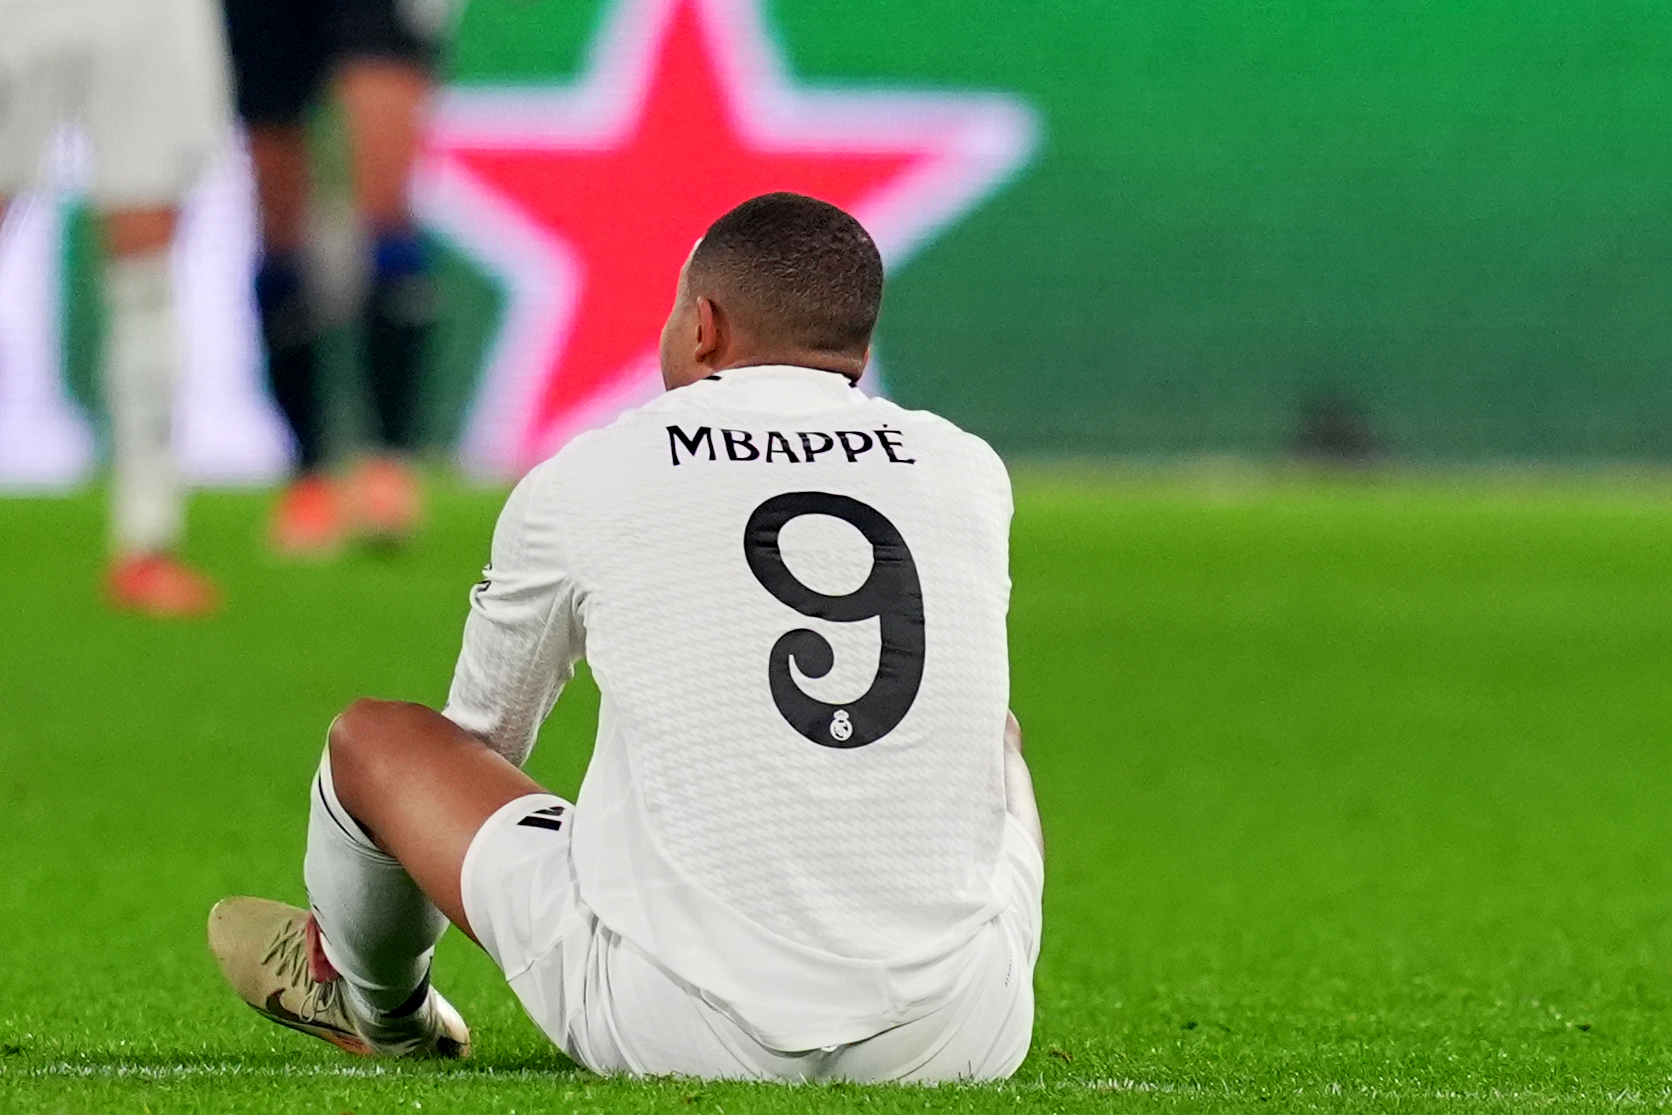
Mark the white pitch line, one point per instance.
(62, 1069)
(1625, 1097)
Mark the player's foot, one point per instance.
(308, 523)
(270, 954)
(159, 586)
(385, 501)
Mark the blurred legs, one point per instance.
(382, 101)
(383, 104)
(140, 375)
(279, 153)
(147, 513)
(308, 522)
(141, 370)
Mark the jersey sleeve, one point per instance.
(524, 632)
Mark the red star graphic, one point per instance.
(631, 212)
(683, 116)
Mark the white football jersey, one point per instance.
(793, 599)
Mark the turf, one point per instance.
(1356, 795)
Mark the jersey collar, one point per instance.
(782, 385)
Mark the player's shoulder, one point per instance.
(972, 448)
(928, 420)
(592, 461)
(582, 451)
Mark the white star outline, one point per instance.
(970, 145)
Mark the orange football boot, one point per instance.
(160, 586)
(308, 523)
(385, 501)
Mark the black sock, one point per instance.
(400, 307)
(290, 332)
(413, 1001)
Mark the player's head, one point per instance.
(781, 279)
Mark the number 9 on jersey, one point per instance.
(891, 594)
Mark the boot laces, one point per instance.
(288, 954)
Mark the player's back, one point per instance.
(794, 602)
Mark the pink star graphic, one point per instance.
(584, 200)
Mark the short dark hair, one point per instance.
(793, 270)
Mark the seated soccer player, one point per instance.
(806, 845)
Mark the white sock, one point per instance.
(148, 512)
(376, 926)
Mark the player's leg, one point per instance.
(142, 368)
(353, 969)
(142, 365)
(279, 61)
(156, 112)
(383, 83)
(289, 322)
(399, 797)
(307, 521)
(383, 104)
(422, 787)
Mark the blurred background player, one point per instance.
(377, 58)
(146, 80)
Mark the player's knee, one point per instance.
(356, 741)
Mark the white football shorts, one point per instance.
(614, 1010)
(145, 79)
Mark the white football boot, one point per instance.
(263, 948)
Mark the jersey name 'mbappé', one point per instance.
(793, 447)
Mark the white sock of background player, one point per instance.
(376, 926)
(141, 367)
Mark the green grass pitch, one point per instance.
(1357, 797)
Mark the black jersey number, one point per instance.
(891, 594)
